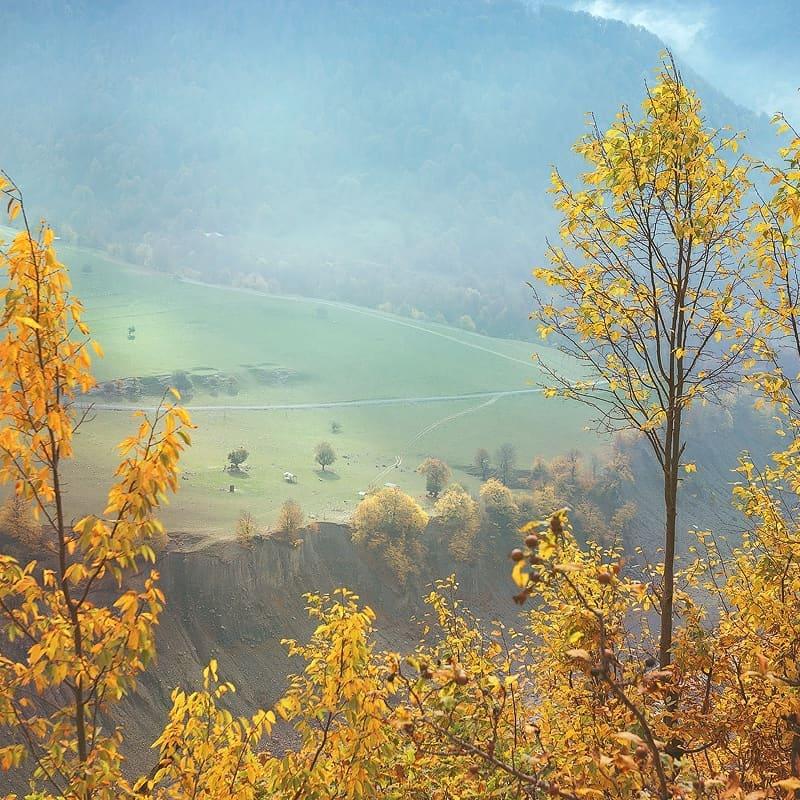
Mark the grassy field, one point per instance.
(301, 351)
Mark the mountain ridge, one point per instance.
(372, 152)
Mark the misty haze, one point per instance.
(400, 399)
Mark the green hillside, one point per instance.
(386, 380)
(360, 150)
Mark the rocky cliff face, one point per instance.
(236, 604)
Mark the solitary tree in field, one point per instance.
(237, 457)
(482, 462)
(506, 459)
(436, 473)
(646, 293)
(324, 454)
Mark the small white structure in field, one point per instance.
(290, 477)
(362, 495)
(390, 485)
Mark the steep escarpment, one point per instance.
(236, 604)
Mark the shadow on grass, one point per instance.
(327, 475)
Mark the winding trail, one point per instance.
(374, 401)
(437, 424)
(430, 328)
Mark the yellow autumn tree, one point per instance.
(755, 651)
(66, 657)
(392, 523)
(722, 719)
(647, 293)
(339, 708)
(499, 506)
(775, 248)
(245, 530)
(460, 708)
(204, 752)
(460, 517)
(290, 520)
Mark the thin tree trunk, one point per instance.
(672, 452)
(668, 591)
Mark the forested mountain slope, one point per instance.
(369, 151)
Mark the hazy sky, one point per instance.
(747, 48)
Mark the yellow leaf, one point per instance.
(580, 654)
(690, 467)
(30, 322)
(519, 575)
(789, 784)
(627, 736)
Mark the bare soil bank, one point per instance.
(236, 604)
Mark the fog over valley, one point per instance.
(399, 399)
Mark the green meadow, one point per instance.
(302, 353)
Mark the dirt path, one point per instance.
(375, 401)
(433, 426)
(368, 312)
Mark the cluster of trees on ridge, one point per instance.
(585, 700)
(471, 528)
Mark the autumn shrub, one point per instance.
(459, 517)
(499, 508)
(392, 523)
(290, 521)
(245, 529)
